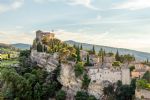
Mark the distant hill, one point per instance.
(6, 46)
(138, 55)
(21, 46)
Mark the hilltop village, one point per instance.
(55, 70)
(100, 69)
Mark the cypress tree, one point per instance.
(39, 47)
(88, 60)
(78, 55)
(81, 47)
(117, 57)
(93, 50)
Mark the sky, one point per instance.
(115, 23)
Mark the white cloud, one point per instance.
(12, 6)
(133, 5)
(85, 3)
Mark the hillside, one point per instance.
(138, 55)
(21, 46)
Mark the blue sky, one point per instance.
(116, 23)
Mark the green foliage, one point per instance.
(78, 54)
(80, 95)
(27, 82)
(39, 47)
(131, 68)
(142, 84)
(61, 95)
(24, 53)
(79, 68)
(108, 90)
(87, 61)
(111, 54)
(85, 82)
(81, 47)
(116, 63)
(117, 56)
(120, 92)
(146, 76)
(102, 54)
(93, 50)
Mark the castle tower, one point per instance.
(126, 79)
(40, 35)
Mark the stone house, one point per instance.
(94, 59)
(112, 75)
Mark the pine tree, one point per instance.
(45, 48)
(81, 47)
(117, 57)
(147, 60)
(100, 52)
(88, 60)
(78, 54)
(93, 50)
(39, 47)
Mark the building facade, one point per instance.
(111, 75)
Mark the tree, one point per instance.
(100, 52)
(85, 82)
(87, 60)
(131, 68)
(78, 54)
(146, 76)
(116, 64)
(81, 95)
(93, 50)
(39, 47)
(37, 92)
(79, 68)
(117, 56)
(81, 47)
(61, 95)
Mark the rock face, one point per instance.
(95, 89)
(70, 83)
(44, 60)
(141, 93)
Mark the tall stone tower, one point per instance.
(126, 79)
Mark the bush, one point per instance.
(79, 68)
(61, 95)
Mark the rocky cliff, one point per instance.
(44, 60)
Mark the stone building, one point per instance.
(94, 59)
(112, 75)
(40, 34)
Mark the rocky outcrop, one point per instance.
(70, 83)
(44, 60)
(142, 94)
(95, 89)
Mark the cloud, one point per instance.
(133, 5)
(85, 3)
(12, 6)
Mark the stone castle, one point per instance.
(40, 35)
